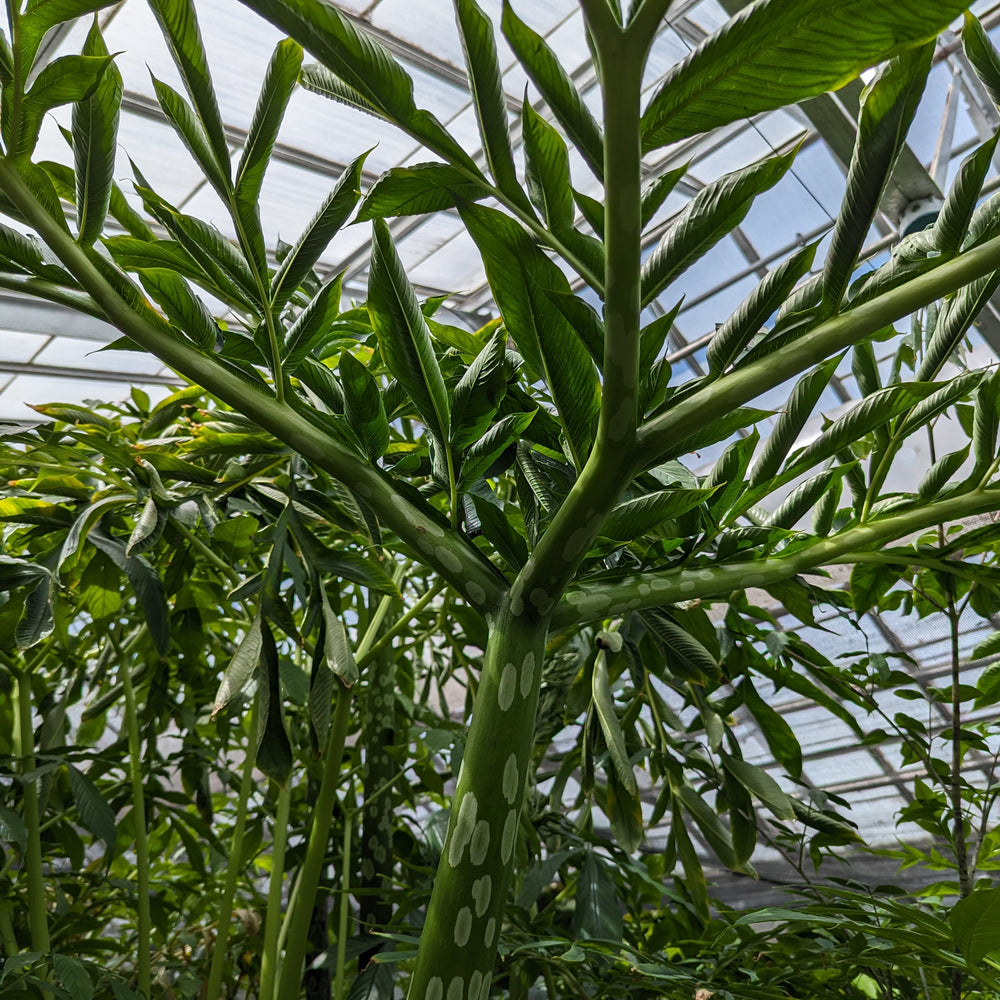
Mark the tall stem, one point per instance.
(225, 918)
(270, 961)
(24, 749)
(145, 921)
(459, 937)
(345, 906)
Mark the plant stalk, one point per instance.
(24, 750)
(270, 962)
(345, 907)
(145, 922)
(214, 986)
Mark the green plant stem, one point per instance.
(40, 289)
(345, 907)
(219, 954)
(7, 937)
(656, 437)
(606, 599)
(459, 937)
(145, 922)
(24, 750)
(455, 559)
(371, 648)
(295, 930)
(270, 961)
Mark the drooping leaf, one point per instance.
(888, 105)
(363, 407)
(983, 55)
(241, 668)
(685, 656)
(761, 784)
(503, 435)
(732, 75)
(713, 213)
(775, 729)
(274, 751)
(337, 648)
(658, 191)
(985, 425)
(597, 913)
(522, 279)
(614, 737)
(95, 137)
(94, 812)
(711, 826)
(419, 189)
(559, 91)
(73, 976)
(624, 811)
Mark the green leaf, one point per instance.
(87, 519)
(804, 497)
(717, 836)
(312, 326)
(337, 646)
(377, 982)
(983, 56)
(333, 213)
(12, 829)
(636, 517)
(727, 480)
(488, 97)
(65, 80)
(501, 436)
(658, 191)
(953, 221)
(146, 584)
(274, 752)
(192, 133)
(479, 393)
(940, 473)
(776, 731)
(363, 407)
(499, 531)
(985, 425)
(241, 667)
(547, 170)
(145, 527)
(871, 412)
(743, 325)
(43, 15)
(714, 212)
(988, 647)
(937, 402)
(761, 784)
(95, 814)
(182, 307)
(279, 82)
(73, 976)
(888, 105)
(418, 190)
(614, 737)
(954, 321)
(95, 138)
(732, 74)
(624, 811)
(598, 913)
(179, 24)
(870, 582)
(975, 924)
(686, 657)
(27, 254)
(365, 66)
(694, 875)
(555, 85)
(403, 337)
(523, 280)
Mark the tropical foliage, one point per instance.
(449, 590)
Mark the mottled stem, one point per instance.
(459, 938)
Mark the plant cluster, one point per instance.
(361, 517)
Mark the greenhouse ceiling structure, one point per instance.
(47, 354)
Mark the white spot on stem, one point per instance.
(480, 843)
(510, 779)
(463, 928)
(464, 826)
(507, 840)
(527, 674)
(435, 989)
(482, 890)
(508, 679)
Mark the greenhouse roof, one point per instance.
(47, 354)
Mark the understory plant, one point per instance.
(515, 506)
